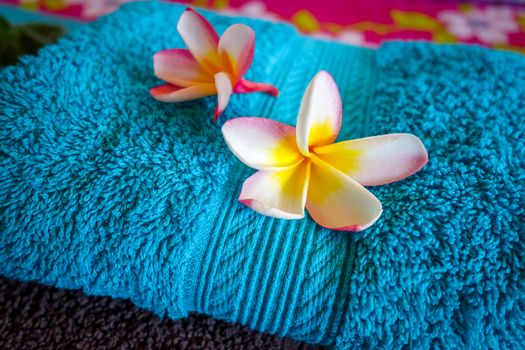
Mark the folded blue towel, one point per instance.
(105, 189)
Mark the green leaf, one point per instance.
(16, 41)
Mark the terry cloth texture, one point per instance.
(104, 189)
(33, 316)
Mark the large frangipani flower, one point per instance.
(210, 66)
(303, 167)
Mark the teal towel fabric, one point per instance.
(105, 189)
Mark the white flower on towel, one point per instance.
(490, 25)
(211, 65)
(301, 167)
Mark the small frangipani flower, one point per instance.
(302, 167)
(210, 66)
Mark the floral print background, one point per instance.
(359, 22)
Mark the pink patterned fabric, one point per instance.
(359, 22)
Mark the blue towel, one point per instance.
(105, 189)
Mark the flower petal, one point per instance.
(245, 87)
(261, 143)
(280, 194)
(236, 47)
(174, 93)
(224, 91)
(177, 66)
(200, 37)
(319, 118)
(337, 202)
(376, 160)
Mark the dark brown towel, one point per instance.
(40, 317)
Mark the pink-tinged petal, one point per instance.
(200, 37)
(319, 118)
(337, 202)
(376, 160)
(236, 47)
(263, 144)
(245, 87)
(174, 93)
(280, 194)
(224, 91)
(178, 67)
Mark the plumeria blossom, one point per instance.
(210, 66)
(303, 167)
